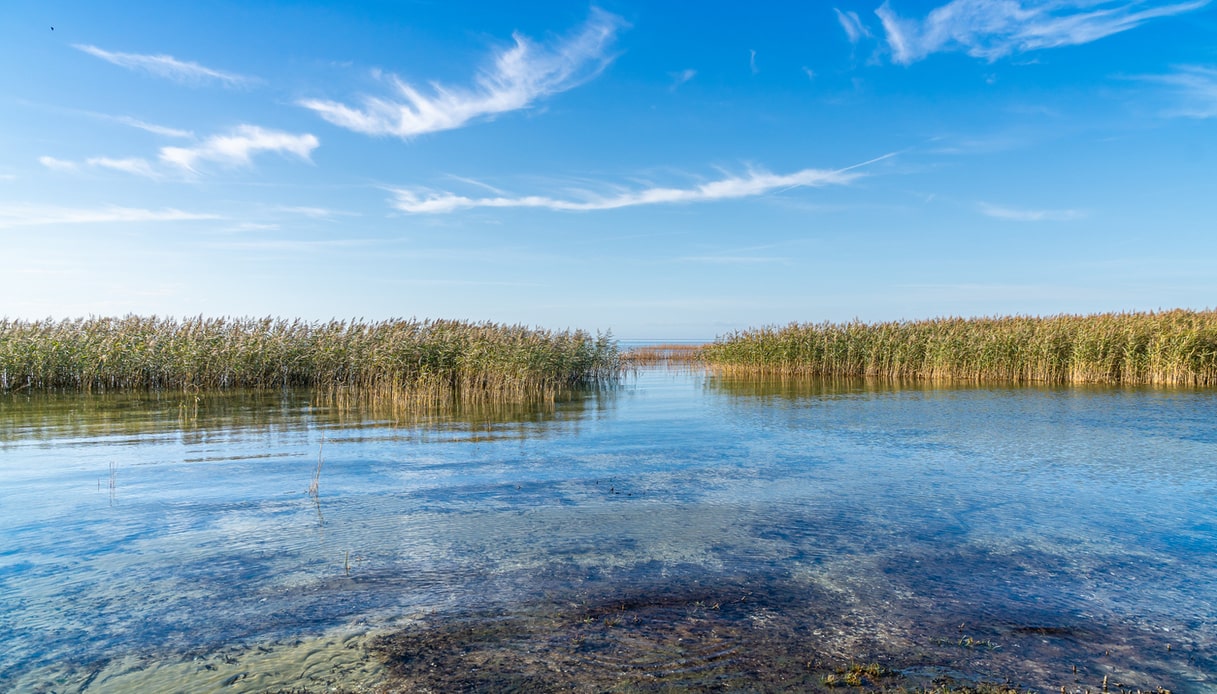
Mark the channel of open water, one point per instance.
(680, 530)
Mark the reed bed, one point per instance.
(427, 360)
(1176, 347)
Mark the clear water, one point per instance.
(681, 530)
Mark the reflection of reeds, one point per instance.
(445, 407)
(1168, 347)
(53, 415)
(429, 359)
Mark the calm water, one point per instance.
(679, 530)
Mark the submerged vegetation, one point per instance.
(1170, 348)
(755, 634)
(431, 360)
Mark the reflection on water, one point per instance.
(57, 417)
(683, 530)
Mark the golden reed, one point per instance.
(421, 359)
(1177, 347)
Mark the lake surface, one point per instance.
(680, 530)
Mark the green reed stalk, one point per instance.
(1176, 347)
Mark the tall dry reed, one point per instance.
(428, 359)
(1176, 347)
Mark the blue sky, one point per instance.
(633, 166)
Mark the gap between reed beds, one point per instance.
(652, 355)
(429, 360)
(1176, 347)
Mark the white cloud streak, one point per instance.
(855, 30)
(1196, 86)
(254, 226)
(1023, 215)
(679, 78)
(152, 127)
(57, 164)
(991, 29)
(516, 78)
(238, 147)
(33, 215)
(168, 67)
(479, 184)
(416, 201)
(316, 212)
(131, 165)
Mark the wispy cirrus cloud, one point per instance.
(151, 127)
(424, 201)
(516, 79)
(39, 215)
(128, 121)
(1026, 215)
(58, 164)
(238, 147)
(679, 78)
(131, 165)
(254, 226)
(167, 66)
(316, 212)
(991, 29)
(1196, 87)
(855, 30)
(233, 149)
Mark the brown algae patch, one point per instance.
(737, 634)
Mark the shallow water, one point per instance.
(681, 530)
